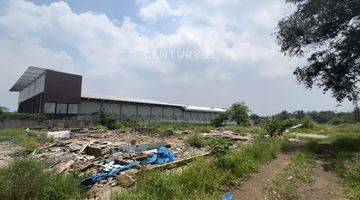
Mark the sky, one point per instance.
(204, 52)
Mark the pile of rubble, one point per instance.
(113, 158)
(94, 152)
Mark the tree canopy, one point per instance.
(239, 112)
(327, 32)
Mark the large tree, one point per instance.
(327, 32)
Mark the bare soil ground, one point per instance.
(327, 184)
(7, 151)
(253, 187)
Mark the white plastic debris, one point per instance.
(59, 134)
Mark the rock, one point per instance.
(132, 172)
(228, 132)
(167, 133)
(125, 180)
(93, 151)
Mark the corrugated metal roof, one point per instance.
(205, 109)
(124, 99)
(27, 78)
(147, 101)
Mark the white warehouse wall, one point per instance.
(148, 113)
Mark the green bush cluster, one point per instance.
(195, 140)
(219, 146)
(108, 120)
(204, 178)
(275, 127)
(27, 179)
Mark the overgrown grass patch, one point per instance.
(195, 140)
(204, 178)
(346, 147)
(28, 140)
(27, 179)
(295, 180)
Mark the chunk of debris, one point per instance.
(93, 151)
(59, 134)
(125, 180)
(66, 166)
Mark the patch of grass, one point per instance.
(28, 140)
(195, 140)
(219, 146)
(204, 178)
(346, 147)
(295, 180)
(26, 179)
(344, 141)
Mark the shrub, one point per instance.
(219, 120)
(219, 146)
(26, 179)
(195, 140)
(108, 120)
(276, 127)
(307, 123)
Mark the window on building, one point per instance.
(61, 108)
(72, 109)
(49, 108)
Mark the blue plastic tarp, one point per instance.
(162, 156)
(113, 172)
(228, 196)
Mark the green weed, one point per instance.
(195, 140)
(26, 179)
(28, 140)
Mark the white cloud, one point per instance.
(157, 9)
(236, 32)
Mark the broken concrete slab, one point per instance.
(125, 180)
(59, 134)
(93, 151)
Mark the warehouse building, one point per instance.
(51, 92)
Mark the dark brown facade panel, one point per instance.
(32, 105)
(62, 87)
